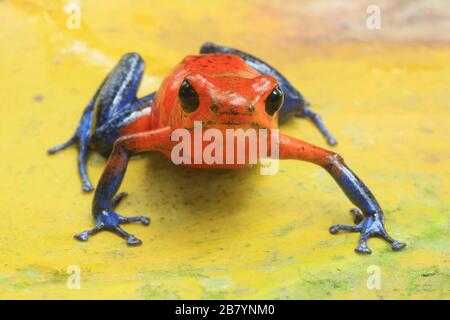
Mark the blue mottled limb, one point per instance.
(369, 223)
(102, 118)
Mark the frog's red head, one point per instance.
(222, 91)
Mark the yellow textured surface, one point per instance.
(231, 234)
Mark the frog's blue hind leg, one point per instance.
(81, 138)
(294, 102)
(306, 112)
(103, 117)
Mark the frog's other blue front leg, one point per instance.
(103, 117)
(294, 102)
(369, 223)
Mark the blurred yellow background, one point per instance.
(232, 234)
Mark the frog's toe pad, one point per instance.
(133, 241)
(363, 248)
(144, 220)
(82, 236)
(397, 246)
(87, 186)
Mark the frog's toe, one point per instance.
(363, 248)
(397, 245)
(87, 186)
(84, 236)
(118, 199)
(144, 220)
(357, 215)
(133, 241)
(335, 228)
(62, 146)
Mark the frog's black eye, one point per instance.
(188, 97)
(274, 100)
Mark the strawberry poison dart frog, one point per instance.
(221, 88)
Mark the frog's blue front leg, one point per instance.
(105, 114)
(370, 223)
(294, 102)
(104, 202)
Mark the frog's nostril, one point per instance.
(251, 108)
(214, 108)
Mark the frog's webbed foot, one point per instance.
(368, 226)
(110, 221)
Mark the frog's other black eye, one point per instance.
(274, 100)
(188, 97)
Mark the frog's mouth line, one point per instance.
(234, 113)
(228, 124)
(238, 124)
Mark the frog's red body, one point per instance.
(220, 89)
(231, 96)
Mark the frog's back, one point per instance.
(218, 65)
